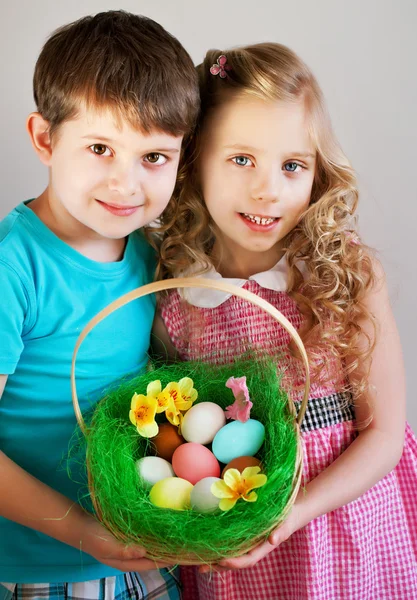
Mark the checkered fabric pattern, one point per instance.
(149, 585)
(366, 550)
(327, 411)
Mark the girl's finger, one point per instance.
(276, 537)
(249, 559)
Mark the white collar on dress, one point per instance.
(275, 279)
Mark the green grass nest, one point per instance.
(113, 447)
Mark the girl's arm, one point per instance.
(26, 500)
(378, 447)
(161, 345)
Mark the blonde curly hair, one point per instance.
(339, 265)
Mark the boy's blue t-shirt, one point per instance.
(48, 293)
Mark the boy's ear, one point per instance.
(38, 130)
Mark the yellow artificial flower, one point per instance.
(235, 485)
(142, 415)
(172, 413)
(180, 397)
(182, 393)
(154, 390)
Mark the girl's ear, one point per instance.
(38, 129)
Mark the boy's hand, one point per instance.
(100, 543)
(28, 501)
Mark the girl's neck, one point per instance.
(241, 263)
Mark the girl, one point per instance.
(267, 202)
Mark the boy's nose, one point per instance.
(125, 180)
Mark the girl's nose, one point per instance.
(266, 186)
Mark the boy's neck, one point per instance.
(80, 238)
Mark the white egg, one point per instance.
(202, 421)
(202, 500)
(152, 469)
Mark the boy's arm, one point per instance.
(26, 500)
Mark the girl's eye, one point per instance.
(292, 167)
(100, 150)
(155, 158)
(242, 161)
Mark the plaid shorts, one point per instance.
(150, 585)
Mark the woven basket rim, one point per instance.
(158, 286)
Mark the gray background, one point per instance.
(362, 51)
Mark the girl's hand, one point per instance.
(279, 535)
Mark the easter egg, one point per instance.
(171, 492)
(152, 469)
(241, 463)
(167, 441)
(202, 500)
(194, 462)
(202, 422)
(238, 439)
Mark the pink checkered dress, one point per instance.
(366, 550)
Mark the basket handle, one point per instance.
(189, 282)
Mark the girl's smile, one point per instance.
(259, 223)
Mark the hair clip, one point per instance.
(221, 67)
(353, 238)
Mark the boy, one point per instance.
(115, 95)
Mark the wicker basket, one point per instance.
(159, 549)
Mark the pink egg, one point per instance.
(193, 462)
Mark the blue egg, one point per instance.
(238, 439)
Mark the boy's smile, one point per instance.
(119, 209)
(107, 179)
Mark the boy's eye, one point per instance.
(100, 150)
(155, 158)
(242, 161)
(292, 167)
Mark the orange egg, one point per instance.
(241, 463)
(167, 441)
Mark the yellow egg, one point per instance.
(171, 492)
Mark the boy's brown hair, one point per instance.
(124, 62)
